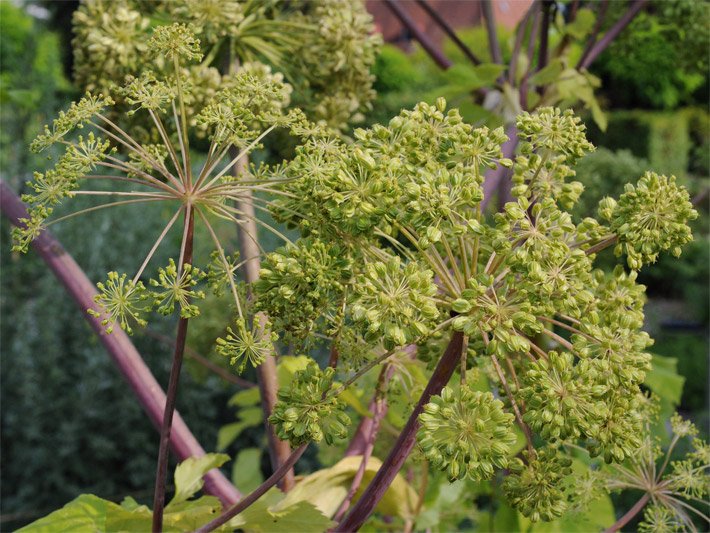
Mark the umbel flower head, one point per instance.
(334, 45)
(539, 488)
(395, 302)
(243, 112)
(650, 217)
(466, 433)
(306, 412)
(242, 345)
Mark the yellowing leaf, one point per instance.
(188, 475)
(327, 488)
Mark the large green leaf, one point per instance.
(327, 488)
(188, 475)
(269, 514)
(85, 513)
(663, 378)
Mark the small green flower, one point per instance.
(177, 290)
(23, 236)
(176, 41)
(651, 217)
(121, 302)
(538, 489)
(660, 519)
(147, 92)
(243, 345)
(466, 433)
(395, 302)
(78, 114)
(560, 132)
(306, 413)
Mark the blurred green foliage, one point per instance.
(32, 85)
(661, 61)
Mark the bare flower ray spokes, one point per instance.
(241, 115)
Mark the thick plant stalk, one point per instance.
(621, 522)
(279, 451)
(119, 347)
(402, 448)
(173, 382)
(493, 177)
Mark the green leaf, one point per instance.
(188, 475)
(249, 417)
(548, 74)
(487, 73)
(327, 488)
(192, 514)
(506, 518)
(85, 513)
(302, 517)
(245, 398)
(582, 24)
(246, 471)
(269, 514)
(663, 378)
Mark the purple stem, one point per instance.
(449, 31)
(119, 347)
(610, 35)
(402, 448)
(494, 176)
(428, 45)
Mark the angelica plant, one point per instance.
(239, 116)
(325, 49)
(561, 341)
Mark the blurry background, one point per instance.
(57, 384)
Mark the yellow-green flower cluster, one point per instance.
(650, 217)
(538, 489)
(299, 283)
(244, 345)
(305, 412)
(466, 433)
(395, 302)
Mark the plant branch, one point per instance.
(595, 31)
(449, 31)
(118, 345)
(621, 522)
(279, 451)
(434, 52)
(491, 31)
(402, 448)
(173, 382)
(610, 35)
(493, 177)
(257, 493)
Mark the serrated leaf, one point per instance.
(302, 517)
(327, 488)
(189, 473)
(246, 471)
(663, 378)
